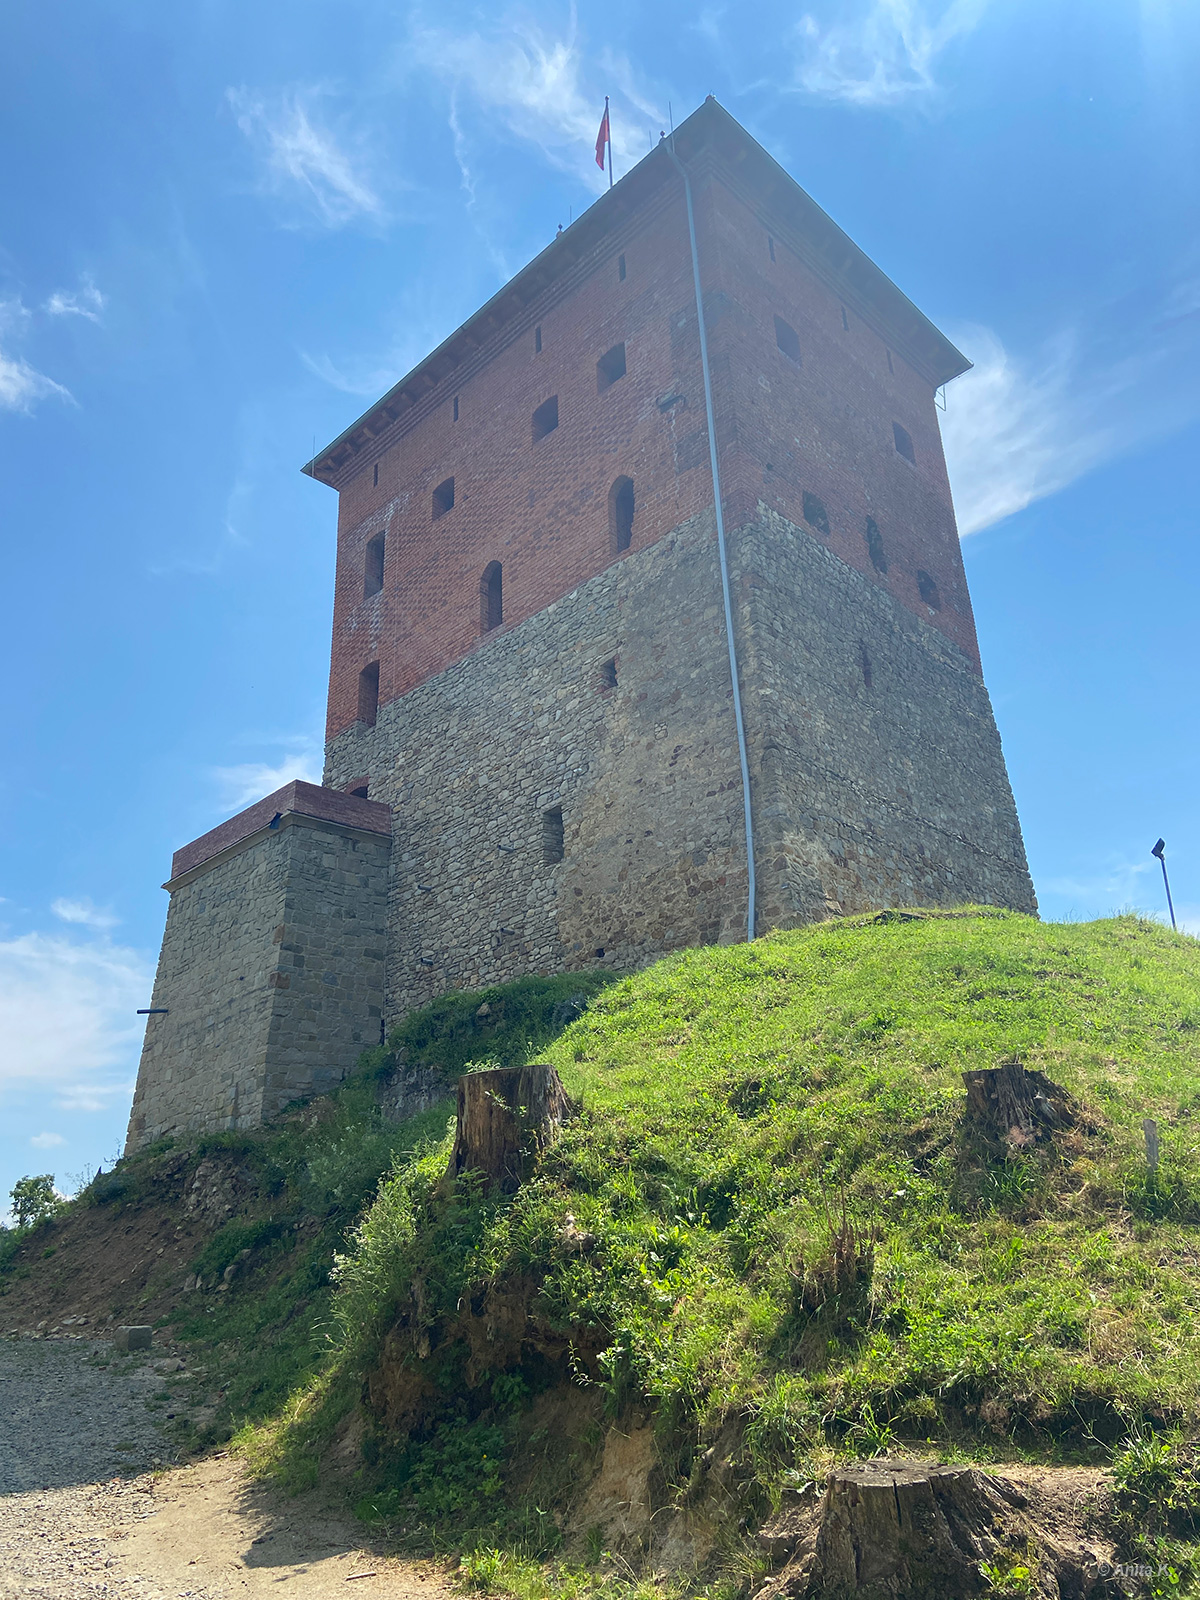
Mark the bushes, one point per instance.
(35, 1200)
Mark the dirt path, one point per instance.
(72, 1528)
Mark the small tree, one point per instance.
(34, 1200)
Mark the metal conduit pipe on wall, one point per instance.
(721, 551)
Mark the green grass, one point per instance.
(788, 1225)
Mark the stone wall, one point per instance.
(271, 975)
(878, 774)
(891, 793)
(646, 775)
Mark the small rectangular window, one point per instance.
(545, 418)
(456, 408)
(373, 566)
(537, 340)
(610, 367)
(552, 836)
(621, 268)
(891, 368)
(368, 694)
(787, 339)
(443, 498)
(904, 444)
(815, 514)
(608, 674)
(770, 247)
(376, 479)
(845, 321)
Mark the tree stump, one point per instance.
(1012, 1104)
(503, 1114)
(900, 1530)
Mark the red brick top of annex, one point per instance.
(709, 137)
(295, 798)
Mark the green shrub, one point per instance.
(35, 1201)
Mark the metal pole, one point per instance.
(1160, 850)
(608, 125)
(721, 553)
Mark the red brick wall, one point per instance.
(542, 510)
(825, 426)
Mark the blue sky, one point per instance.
(224, 229)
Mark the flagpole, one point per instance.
(608, 125)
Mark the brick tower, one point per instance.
(531, 667)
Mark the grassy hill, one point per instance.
(768, 1233)
(768, 1210)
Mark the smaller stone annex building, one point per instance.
(534, 760)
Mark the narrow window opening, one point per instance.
(608, 674)
(491, 597)
(368, 694)
(610, 367)
(891, 368)
(864, 662)
(620, 514)
(552, 836)
(537, 340)
(875, 545)
(545, 418)
(815, 513)
(787, 339)
(443, 498)
(376, 478)
(904, 444)
(621, 269)
(845, 321)
(360, 793)
(770, 247)
(456, 408)
(373, 568)
(929, 591)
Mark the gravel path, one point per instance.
(73, 1433)
(65, 1419)
(88, 1513)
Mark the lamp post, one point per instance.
(1159, 851)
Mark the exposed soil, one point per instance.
(104, 1265)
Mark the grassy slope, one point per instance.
(743, 1106)
(784, 1221)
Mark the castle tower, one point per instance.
(531, 660)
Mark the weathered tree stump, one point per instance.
(503, 1114)
(1012, 1104)
(900, 1530)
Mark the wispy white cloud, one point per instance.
(84, 913)
(1120, 883)
(241, 785)
(1019, 428)
(883, 55)
(86, 301)
(1015, 431)
(68, 1017)
(304, 159)
(47, 1141)
(539, 84)
(21, 385)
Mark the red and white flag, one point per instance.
(602, 138)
